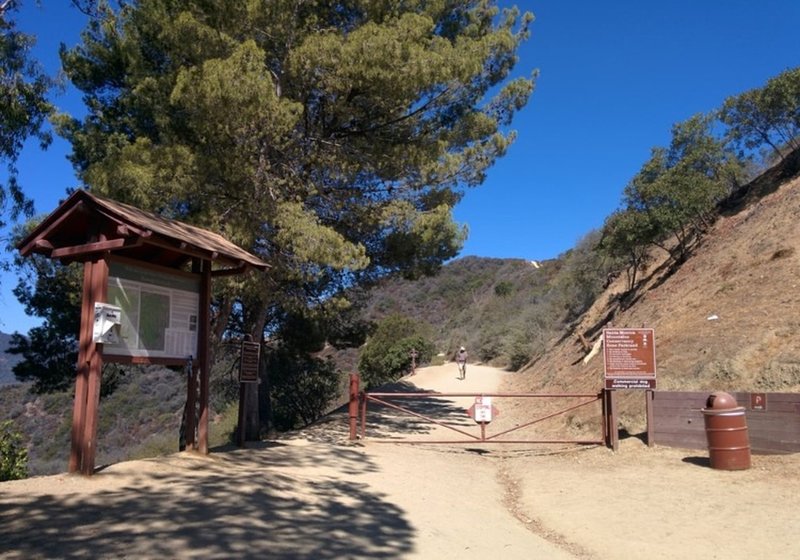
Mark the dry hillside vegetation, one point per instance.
(726, 319)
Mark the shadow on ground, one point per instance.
(234, 504)
(401, 410)
(698, 461)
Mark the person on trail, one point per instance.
(461, 360)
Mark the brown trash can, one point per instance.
(726, 431)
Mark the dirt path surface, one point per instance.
(314, 494)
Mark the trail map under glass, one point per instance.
(160, 311)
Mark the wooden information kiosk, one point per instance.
(146, 300)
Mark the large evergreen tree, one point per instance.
(332, 138)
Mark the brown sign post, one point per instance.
(248, 390)
(630, 358)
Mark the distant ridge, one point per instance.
(7, 361)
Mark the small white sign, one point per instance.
(483, 409)
(107, 321)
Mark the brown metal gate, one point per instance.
(359, 406)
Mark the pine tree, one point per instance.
(331, 138)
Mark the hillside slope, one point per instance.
(727, 319)
(473, 301)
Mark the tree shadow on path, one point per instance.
(235, 504)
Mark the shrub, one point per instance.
(301, 388)
(503, 288)
(387, 354)
(13, 454)
(519, 353)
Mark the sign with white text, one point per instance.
(248, 364)
(630, 358)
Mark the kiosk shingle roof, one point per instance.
(86, 224)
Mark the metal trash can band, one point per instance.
(726, 432)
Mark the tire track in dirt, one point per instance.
(512, 490)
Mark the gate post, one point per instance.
(649, 395)
(353, 407)
(610, 419)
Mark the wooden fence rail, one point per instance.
(773, 428)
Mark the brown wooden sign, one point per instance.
(630, 358)
(758, 402)
(248, 365)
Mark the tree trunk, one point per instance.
(263, 402)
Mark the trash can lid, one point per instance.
(720, 401)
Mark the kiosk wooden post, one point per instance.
(203, 354)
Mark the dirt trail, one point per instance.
(315, 494)
(639, 502)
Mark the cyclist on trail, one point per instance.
(461, 360)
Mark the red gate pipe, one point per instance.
(435, 394)
(428, 418)
(601, 396)
(544, 418)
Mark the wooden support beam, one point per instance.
(95, 370)
(78, 420)
(242, 419)
(191, 406)
(43, 245)
(88, 380)
(99, 287)
(182, 247)
(203, 354)
(28, 248)
(240, 269)
(89, 248)
(611, 419)
(82, 375)
(127, 230)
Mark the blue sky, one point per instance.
(614, 77)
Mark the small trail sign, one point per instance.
(482, 411)
(248, 365)
(630, 358)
